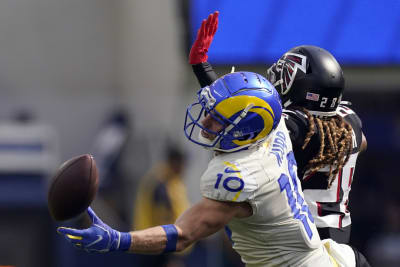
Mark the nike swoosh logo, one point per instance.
(99, 238)
(229, 170)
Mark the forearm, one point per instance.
(154, 241)
(201, 220)
(148, 241)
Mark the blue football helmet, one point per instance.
(246, 105)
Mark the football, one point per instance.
(73, 187)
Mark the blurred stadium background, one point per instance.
(110, 77)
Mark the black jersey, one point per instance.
(327, 205)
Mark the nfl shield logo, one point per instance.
(312, 96)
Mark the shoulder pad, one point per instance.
(350, 115)
(344, 111)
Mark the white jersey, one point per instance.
(281, 231)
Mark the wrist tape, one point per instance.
(172, 237)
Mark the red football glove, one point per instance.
(205, 35)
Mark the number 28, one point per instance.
(324, 100)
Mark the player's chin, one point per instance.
(207, 135)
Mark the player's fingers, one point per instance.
(91, 213)
(64, 230)
(198, 34)
(202, 29)
(93, 216)
(209, 18)
(212, 23)
(73, 240)
(215, 23)
(213, 18)
(70, 233)
(208, 24)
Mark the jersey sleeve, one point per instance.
(350, 115)
(228, 181)
(352, 118)
(205, 74)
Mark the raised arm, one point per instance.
(198, 53)
(203, 219)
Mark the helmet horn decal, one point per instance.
(230, 106)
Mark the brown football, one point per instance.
(73, 187)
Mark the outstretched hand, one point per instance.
(205, 35)
(99, 237)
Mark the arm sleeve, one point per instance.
(205, 74)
